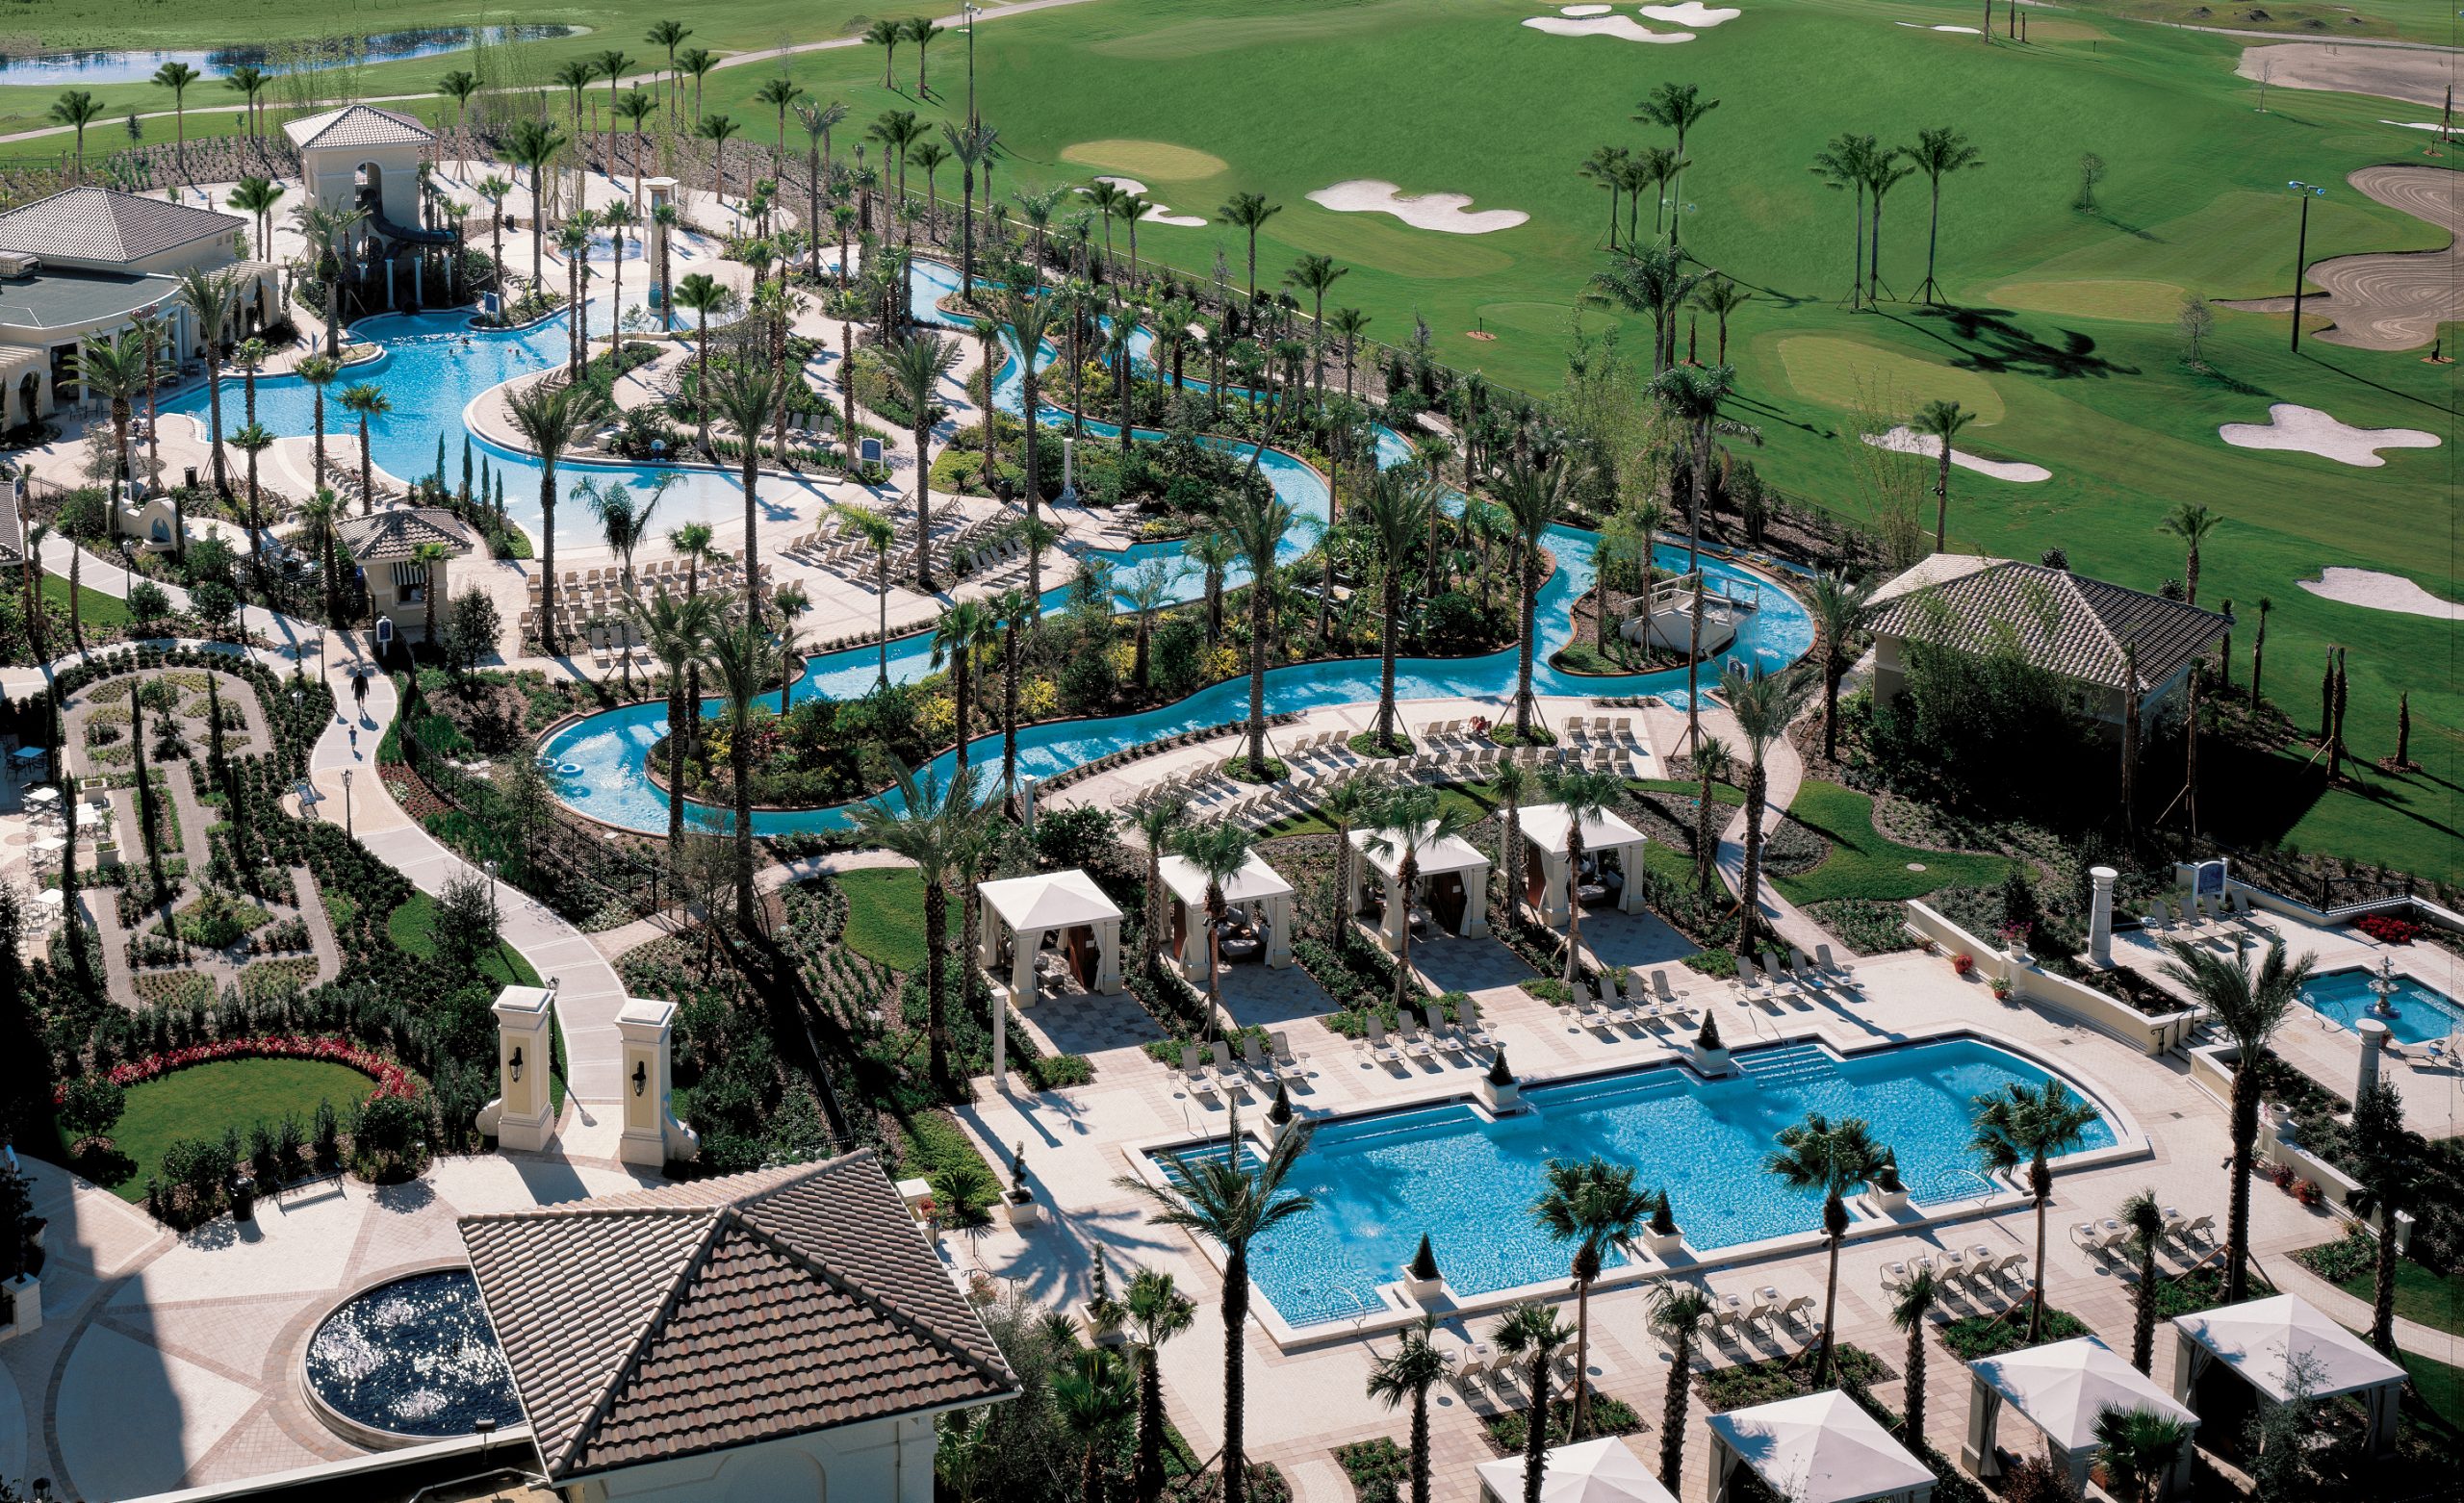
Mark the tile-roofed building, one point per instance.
(397, 531)
(104, 229)
(795, 1310)
(2068, 623)
(356, 125)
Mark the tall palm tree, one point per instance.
(1352, 801)
(880, 534)
(917, 368)
(1156, 1312)
(1883, 172)
(1941, 422)
(1818, 1154)
(1692, 394)
(1405, 1375)
(963, 629)
(670, 34)
(252, 440)
(256, 198)
(696, 65)
(2142, 1216)
(1910, 1308)
(1214, 552)
(2393, 1163)
(1030, 319)
(1413, 821)
(1937, 153)
(1720, 296)
(634, 107)
(534, 144)
(432, 557)
(1607, 166)
(2139, 1447)
(1532, 1331)
(2020, 1126)
(115, 370)
(818, 118)
(1679, 1312)
(1232, 1202)
(887, 35)
(933, 825)
(1119, 342)
(317, 373)
(1679, 107)
(178, 78)
(318, 518)
(1394, 511)
(740, 657)
(76, 108)
(677, 629)
(1349, 324)
(1840, 608)
(921, 29)
(366, 400)
(496, 190)
(718, 130)
(1763, 704)
(1013, 611)
(701, 294)
(552, 415)
(1249, 213)
(207, 297)
(2191, 523)
(1587, 797)
(1096, 1397)
(1256, 520)
(1649, 279)
(1149, 590)
(1219, 850)
(1313, 274)
(1597, 1206)
(746, 396)
(1532, 499)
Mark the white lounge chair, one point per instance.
(1194, 1073)
(1473, 1031)
(1415, 1043)
(1444, 1035)
(1799, 1309)
(1380, 1048)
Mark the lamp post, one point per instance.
(127, 565)
(2302, 251)
(347, 823)
(494, 922)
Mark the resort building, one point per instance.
(401, 583)
(364, 158)
(2067, 623)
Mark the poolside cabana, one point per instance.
(1821, 1448)
(1452, 889)
(2060, 1387)
(1260, 916)
(2258, 1342)
(1065, 908)
(1546, 831)
(1593, 1471)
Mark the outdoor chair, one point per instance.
(1799, 1309)
(2195, 1226)
(1416, 1044)
(1448, 1039)
(1379, 1049)
(1281, 1047)
(1470, 1027)
(1224, 1069)
(1194, 1073)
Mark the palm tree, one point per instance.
(935, 825)
(1677, 1315)
(917, 368)
(740, 656)
(1652, 279)
(2144, 1217)
(207, 297)
(696, 65)
(2393, 1165)
(1256, 520)
(1157, 1312)
(747, 394)
(1414, 819)
(718, 130)
(1719, 297)
(317, 373)
(963, 629)
(2139, 1447)
(634, 106)
(1941, 422)
(701, 294)
(432, 557)
(1094, 1397)
(249, 83)
(2191, 523)
(1030, 319)
(1249, 212)
(779, 92)
(1149, 590)
(677, 629)
(1405, 1375)
(1587, 797)
(1313, 274)
(1532, 1331)
(930, 155)
(1842, 163)
(1219, 850)
(1692, 394)
(115, 370)
(671, 36)
(1607, 166)
(1883, 173)
(1679, 107)
(1597, 1206)
(496, 190)
(2249, 1003)
(1232, 1202)
(1119, 342)
(887, 35)
(1394, 512)
(460, 86)
(1531, 498)
(818, 120)
(921, 29)
(1909, 1310)
(1349, 324)
(552, 415)
(1763, 704)
(252, 440)
(365, 400)
(1819, 1154)
(621, 522)
(178, 78)
(1839, 607)
(1937, 153)
(898, 131)
(2018, 1126)
(1354, 800)
(255, 197)
(76, 108)
(534, 144)
(881, 533)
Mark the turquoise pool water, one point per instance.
(1380, 1181)
(2421, 1011)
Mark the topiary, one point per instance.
(1424, 1263)
(1709, 1038)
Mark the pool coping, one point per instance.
(2404, 968)
(1401, 1308)
(359, 1432)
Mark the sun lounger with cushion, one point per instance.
(1194, 1072)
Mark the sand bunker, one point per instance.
(1624, 27)
(2393, 300)
(2309, 431)
(1156, 159)
(2422, 125)
(1690, 13)
(1585, 10)
(1905, 439)
(2371, 590)
(1445, 213)
(1156, 213)
(2415, 75)
(1967, 31)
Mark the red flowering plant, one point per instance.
(1961, 964)
(391, 1078)
(2387, 928)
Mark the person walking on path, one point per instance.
(359, 697)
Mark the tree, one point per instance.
(1413, 820)
(1941, 422)
(460, 86)
(2195, 322)
(1405, 1375)
(179, 78)
(249, 83)
(1219, 850)
(933, 825)
(552, 415)
(534, 144)
(747, 394)
(1910, 1306)
(741, 658)
(1597, 1206)
(76, 108)
(1679, 107)
(1586, 797)
(963, 629)
(1677, 1315)
(366, 400)
(1313, 274)
(1763, 704)
(887, 35)
(1247, 213)
(2020, 1126)
(1692, 394)
(2139, 1448)
(1842, 163)
(2144, 1217)
(1157, 1312)
(1818, 1154)
(115, 370)
(701, 294)
(677, 629)
(1095, 1398)
(880, 534)
(2395, 1170)
(207, 297)
(470, 630)
(1232, 1202)
(1532, 1331)
(256, 198)
(318, 518)
(1394, 511)
(1720, 296)
(1029, 318)
(1937, 153)
(1532, 499)
(916, 366)
(634, 107)
(2092, 171)
(1840, 608)
(1257, 521)
(1649, 279)
(2191, 523)
(921, 29)
(671, 36)
(496, 190)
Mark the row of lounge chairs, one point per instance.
(1799, 980)
(1208, 1076)
(1436, 1042)
(1979, 1270)
(2198, 921)
(2112, 1235)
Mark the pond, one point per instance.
(137, 66)
(414, 1357)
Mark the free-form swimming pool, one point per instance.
(1381, 1181)
(2420, 1011)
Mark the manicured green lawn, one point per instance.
(885, 917)
(94, 608)
(2439, 1387)
(413, 926)
(201, 1100)
(2434, 1300)
(1865, 864)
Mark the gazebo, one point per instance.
(2258, 1342)
(1454, 879)
(1606, 1471)
(1257, 892)
(2061, 1389)
(1820, 1448)
(1546, 829)
(1065, 907)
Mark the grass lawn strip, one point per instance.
(1865, 863)
(885, 917)
(202, 1099)
(413, 926)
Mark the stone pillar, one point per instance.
(1475, 911)
(1390, 929)
(1984, 1410)
(419, 281)
(1278, 922)
(1191, 952)
(393, 298)
(1107, 949)
(1631, 898)
(2374, 1043)
(2101, 915)
(26, 1293)
(651, 1134)
(523, 1116)
(1069, 495)
(1028, 782)
(1555, 885)
(661, 190)
(1022, 965)
(1000, 1042)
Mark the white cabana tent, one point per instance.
(1067, 904)
(1256, 887)
(1453, 878)
(2060, 1387)
(1545, 828)
(2258, 1341)
(1606, 1471)
(1821, 1448)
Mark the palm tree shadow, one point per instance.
(1990, 341)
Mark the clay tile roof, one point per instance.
(105, 225)
(357, 125)
(719, 1312)
(2068, 623)
(396, 532)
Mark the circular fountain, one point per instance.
(409, 1360)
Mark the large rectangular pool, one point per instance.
(2421, 1011)
(1381, 1181)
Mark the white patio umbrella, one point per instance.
(1606, 1471)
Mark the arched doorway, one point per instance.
(368, 181)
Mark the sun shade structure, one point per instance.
(2060, 1387)
(1546, 829)
(750, 1314)
(2259, 1341)
(1821, 1448)
(1065, 904)
(1593, 1471)
(1453, 878)
(1257, 887)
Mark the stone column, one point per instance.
(418, 280)
(523, 1116)
(1984, 1410)
(1631, 898)
(661, 190)
(2101, 915)
(1022, 965)
(2374, 1043)
(1107, 952)
(1000, 1042)
(1390, 928)
(1069, 495)
(1556, 885)
(1278, 920)
(1191, 953)
(651, 1134)
(1028, 782)
(1475, 910)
